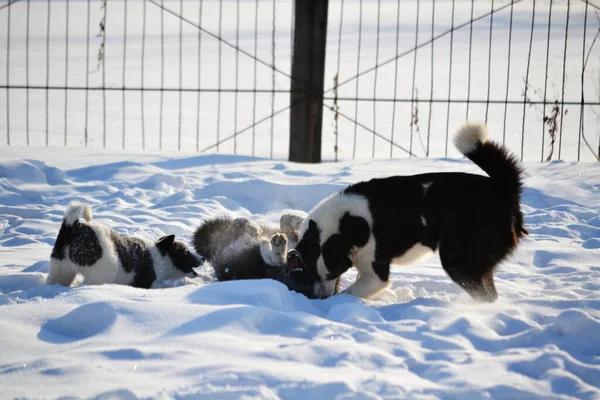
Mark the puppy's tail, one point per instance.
(76, 211)
(501, 166)
(208, 235)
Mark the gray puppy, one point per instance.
(242, 249)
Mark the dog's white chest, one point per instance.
(412, 255)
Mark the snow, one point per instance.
(422, 338)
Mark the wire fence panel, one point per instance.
(408, 73)
(209, 75)
(215, 75)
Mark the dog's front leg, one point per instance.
(369, 282)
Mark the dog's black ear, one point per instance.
(165, 241)
(336, 252)
(312, 235)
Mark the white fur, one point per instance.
(61, 272)
(76, 211)
(367, 284)
(290, 222)
(469, 135)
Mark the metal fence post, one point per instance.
(308, 71)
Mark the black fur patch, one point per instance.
(178, 252)
(58, 251)
(336, 250)
(309, 246)
(355, 230)
(250, 266)
(144, 279)
(164, 244)
(182, 258)
(135, 256)
(84, 247)
(382, 269)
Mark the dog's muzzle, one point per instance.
(296, 269)
(294, 261)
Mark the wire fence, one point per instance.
(150, 74)
(215, 76)
(407, 73)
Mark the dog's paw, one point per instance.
(248, 226)
(253, 229)
(278, 243)
(240, 222)
(275, 250)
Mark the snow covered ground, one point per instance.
(422, 338)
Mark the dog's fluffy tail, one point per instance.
(76, 211)
(501, 166)
(211, 235)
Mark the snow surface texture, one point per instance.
(421, 338)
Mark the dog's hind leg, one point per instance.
(480, 288)
(60, 273)
(475, 278)
(274, 251)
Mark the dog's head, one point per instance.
(308, 269)
(184, 261)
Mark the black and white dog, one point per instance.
(474, 221)
(102, 255)
(242, 249)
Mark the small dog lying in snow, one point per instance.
(102, 255)
(242, 249)
(474, 221)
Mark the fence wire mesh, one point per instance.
(408, 73)
(214, 75)
(147, 74)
